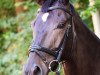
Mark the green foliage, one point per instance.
(97, 4)
(16, 33)
(6, 7)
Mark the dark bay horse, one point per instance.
(60, 36)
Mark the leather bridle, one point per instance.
(58, 52)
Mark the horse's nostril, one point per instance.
(36, 70)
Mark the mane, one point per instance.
(77, 19)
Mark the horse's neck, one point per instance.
(87, 49)
(84, 36)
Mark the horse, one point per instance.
(60, 37)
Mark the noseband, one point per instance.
(58, 52)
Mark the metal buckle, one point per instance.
(54, 66)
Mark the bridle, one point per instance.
(58, 52)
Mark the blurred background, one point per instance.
(16, 33)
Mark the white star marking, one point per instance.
(45, 16)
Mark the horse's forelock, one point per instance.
(64, 1)
(46, 4)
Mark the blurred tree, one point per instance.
(96, 17)
(7, 8)
(19, 7)
(15, 35)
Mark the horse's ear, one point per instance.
(64, 1)
(40, 2)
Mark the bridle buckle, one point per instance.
(54, 66)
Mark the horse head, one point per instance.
(52, 30)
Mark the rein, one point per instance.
(58, 52)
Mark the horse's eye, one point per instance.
(62, 25)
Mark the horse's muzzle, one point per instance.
(34, 66)
(33, 70)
